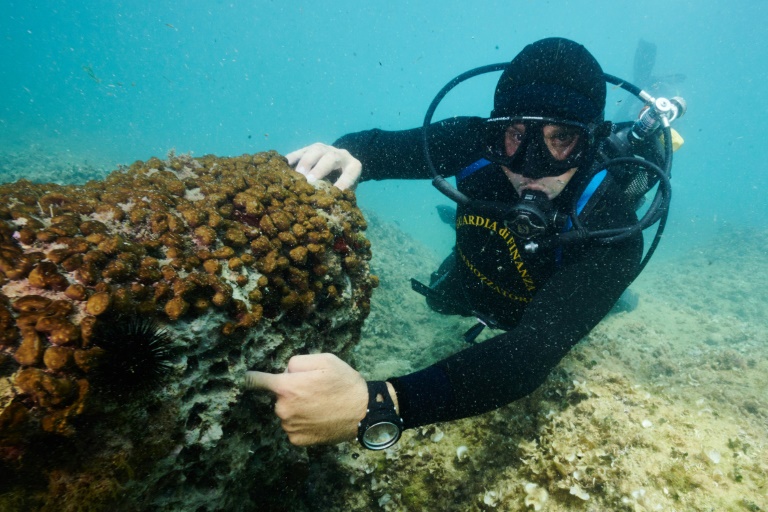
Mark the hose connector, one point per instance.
(660, 111)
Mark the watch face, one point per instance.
(381, 435)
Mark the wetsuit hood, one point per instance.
(553, 77)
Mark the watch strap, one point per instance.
(376, 388)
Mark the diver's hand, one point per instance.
(319, 160)
(320, 398)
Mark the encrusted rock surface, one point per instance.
(240, 261)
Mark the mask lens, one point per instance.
(514, 136)
(536, 146)
(561, 140)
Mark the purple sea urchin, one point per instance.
(137, 354)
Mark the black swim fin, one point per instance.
(645, 60)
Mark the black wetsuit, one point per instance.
(545, 301)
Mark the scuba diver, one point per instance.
(547, 239)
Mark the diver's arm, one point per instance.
(321, 399)
(454, 144)
(512, 365)
(379, 154)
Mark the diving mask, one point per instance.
(536, 147)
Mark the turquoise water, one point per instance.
(98, 84)
(112, 82)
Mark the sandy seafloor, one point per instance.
(661, 408)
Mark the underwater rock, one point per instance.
(130, 309)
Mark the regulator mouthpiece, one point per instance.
(532, 217)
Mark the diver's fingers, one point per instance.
(329, 162)
(296, 364)
(309, 156)
(337, 160)
(319, 160)
(349, 174)
(310, 362)
(294, 156)
(261, 380)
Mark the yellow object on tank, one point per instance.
(677, 139)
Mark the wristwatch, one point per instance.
(381, 427)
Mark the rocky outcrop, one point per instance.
(130, 309)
